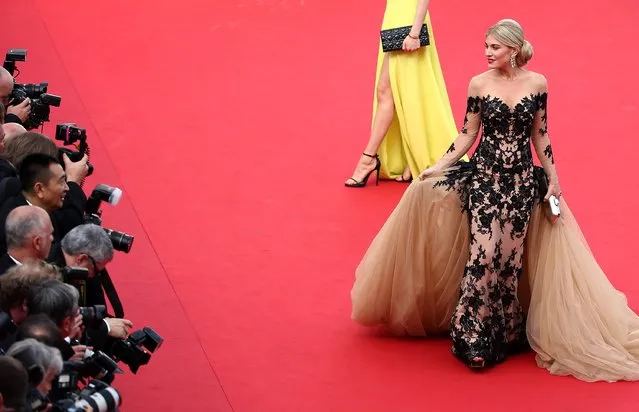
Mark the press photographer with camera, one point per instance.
(29, 234)
(89, 247)
(14, 114)
(44, 214)
(59, 301)
(20, 147)
(53, 384)
(43, 363)
(28, 104)
(15, 286)
(41, 328)
(15, 150)
(43, 183)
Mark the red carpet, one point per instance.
(231, 126)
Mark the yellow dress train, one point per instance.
(423, 125)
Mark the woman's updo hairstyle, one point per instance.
(509, 33)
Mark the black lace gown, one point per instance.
(500, 189)
(451, 259)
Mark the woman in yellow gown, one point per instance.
(413, 124)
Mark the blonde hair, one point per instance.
(509, 33)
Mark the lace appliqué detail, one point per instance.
(542, 106)
(451, 149)
(548, 153)
(473, 105)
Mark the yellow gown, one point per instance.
(423, 126)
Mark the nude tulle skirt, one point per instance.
(409, 279)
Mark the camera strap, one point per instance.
(112, 294)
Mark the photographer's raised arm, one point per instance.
(71, 214)
(76, 171)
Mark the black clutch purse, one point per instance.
(392, 39)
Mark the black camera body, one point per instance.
(41, 101)
(70, 134)
(97, 365)
(77, 277)
(135, 351)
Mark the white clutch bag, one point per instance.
(553, 211)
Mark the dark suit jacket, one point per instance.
(9, 180)
(6, 263)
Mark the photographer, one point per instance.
(27, 143)
(43, 363)
(43, 183)
(41, 328)
(21, 146)
(29, 233)
(59, 302)
(14, 114)
(88, 246)
(15, 286)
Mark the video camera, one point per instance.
(69, 134)
(102, 193)
(41, 101)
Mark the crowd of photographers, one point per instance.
(60, 348)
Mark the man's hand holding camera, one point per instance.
(22, 110)
(119, 328)
(76, 171)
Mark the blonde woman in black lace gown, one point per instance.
(468, 250)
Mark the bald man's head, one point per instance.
(6, 86)
(12, 130)
(29, 229)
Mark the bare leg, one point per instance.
(381, 123)
(406, 176)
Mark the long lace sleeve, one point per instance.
(469, 131)
(541, 138)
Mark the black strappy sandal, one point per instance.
(402, 180)
(363, 182)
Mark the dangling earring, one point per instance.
(513, 62)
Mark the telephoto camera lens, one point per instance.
(99, 397)
(120, 240)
